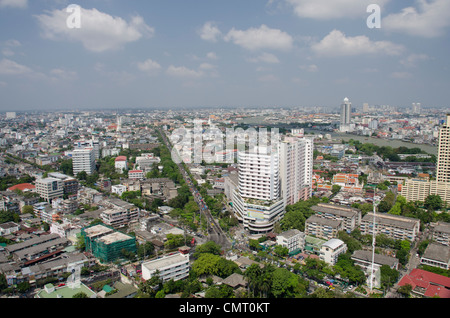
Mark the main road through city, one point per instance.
(215, 232)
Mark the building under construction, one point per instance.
(106, 244)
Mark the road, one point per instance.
(215, 232)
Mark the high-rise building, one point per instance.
(416, 108)
(346, 115)
(366, 108)
(443, 159)
(93, 143)
(259, 176)
(296, 159)
(418, 190)
(83, 160)
(257, 200)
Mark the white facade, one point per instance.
(257, 216)
(292, 239)
(346, 115)
(50, 188)
(118, 189)
(136, 174)
(257, 200)
(83, 160)
(259, 176)
(296, 158)
(174, 267)
(330, 251)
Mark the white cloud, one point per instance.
(431, 19)
(260, 38)
(63, 74)
(401, 75)
(149, 66)
(412, 59)
(183, 72)
(99, 31)
(309, 68)
(265, 58)
(332, 9)
(210, 32)
(337, 43)
(21, 4)
(9, 67)
(268, 78)
(212, 56)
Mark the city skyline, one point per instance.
(174, 54)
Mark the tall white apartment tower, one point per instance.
(441, 186)
(296, 169)
(259, 176)
(257, 200)
(346, 115)
(443, 159)
(83, 160)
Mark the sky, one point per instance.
(169, 54)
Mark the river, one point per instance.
(432, 150)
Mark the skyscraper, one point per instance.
(418, 190)
(257, 200)
(259, 176)
(296, 160)
(443, 159)
(346, 115)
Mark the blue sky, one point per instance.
(213, 53)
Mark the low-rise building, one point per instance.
(436, 255)
(394, 226)
(441, 233)
(330, 251)
(350, 217)
(323, 227)
(293, 239)
(174, 267)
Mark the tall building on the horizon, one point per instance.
(416, 108)
(346, 115)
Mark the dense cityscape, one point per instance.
(218, 160)
(96, 204)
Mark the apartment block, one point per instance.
(393, 226)
(350, 217)
(83, 160)
(323, 227)
(441, 233)
(295, 169)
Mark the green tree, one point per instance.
(433, 202)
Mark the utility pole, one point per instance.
(372, 275)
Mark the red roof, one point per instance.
(22, 187)
(433, 284)
(121, 158)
